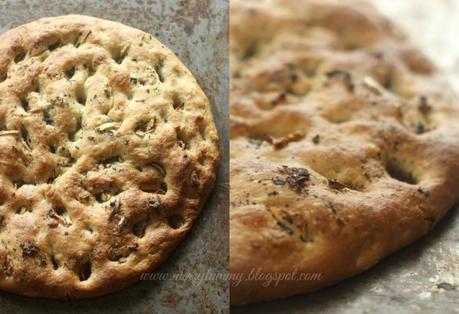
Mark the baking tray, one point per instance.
(423, 277)
(197, 31)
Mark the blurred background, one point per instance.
(433, 25)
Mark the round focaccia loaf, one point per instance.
(108, 150)
(344, 144)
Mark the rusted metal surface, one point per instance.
(424, 277)
(197, 31)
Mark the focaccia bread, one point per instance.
(108, 150)
(344, 144)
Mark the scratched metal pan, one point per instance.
(197, 31)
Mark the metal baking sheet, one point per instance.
(423, 277)
(197, 31)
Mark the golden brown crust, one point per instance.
(344, 143)
(108, 151)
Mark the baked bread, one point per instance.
(108, 151)
(344, 144)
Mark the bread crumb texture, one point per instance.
(108, 151)
(344, 142)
